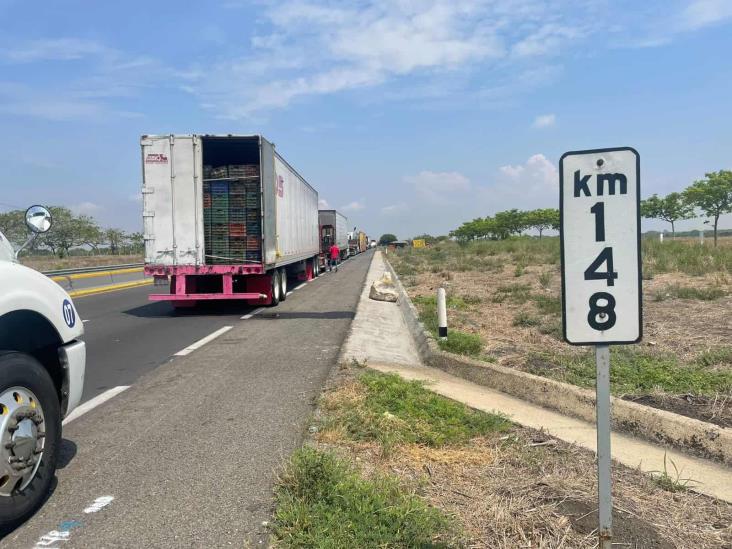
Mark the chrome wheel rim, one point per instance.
(22, 439)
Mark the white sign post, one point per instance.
(599, 205)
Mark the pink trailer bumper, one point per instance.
(190, 283)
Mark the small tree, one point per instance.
(115, 238)
(671, 208)
(65, 232)
(712, 195)
(542, 219)
(509, 222)
(137, 242)
(387, 238)
(12, 225)
(89, 232)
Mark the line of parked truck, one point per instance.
(226, 217)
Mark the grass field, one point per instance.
(504, 306)
(390, 464)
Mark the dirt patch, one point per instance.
(628, 529)
(717, 410)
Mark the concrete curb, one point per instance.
(667, 428)
(111, 288)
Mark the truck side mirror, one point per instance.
(38, 219)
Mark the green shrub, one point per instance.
(462, 343)
(517, 293)
(689, 292)
(548, 304)
(322, 502)
(524, 319)
(638, 372)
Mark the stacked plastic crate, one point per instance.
(232, 214)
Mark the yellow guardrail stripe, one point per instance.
(97, 274)
(111, 288)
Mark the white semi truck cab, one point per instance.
(42, 362)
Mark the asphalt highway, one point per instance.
(187, 456)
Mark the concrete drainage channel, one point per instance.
(667, 428)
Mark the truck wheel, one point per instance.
(30, 434)
(283, 284)
(316, 267)
(275, 288)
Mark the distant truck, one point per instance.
(333, 228)
(363, 242)
(42, 364)
(225, 218)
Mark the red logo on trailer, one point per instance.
(156, 158)
(280, 186)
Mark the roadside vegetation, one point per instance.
(391, 464)
(504, 306)
(73, 241)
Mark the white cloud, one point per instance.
(53, 49)
(545, 120)
(546, 40)
(323, 204)
(353, 206)
(438, 186)
(317, 47)
(702, 13)
(86, 208)
(394, 209)
(537, 170)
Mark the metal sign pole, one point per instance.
(604, 464)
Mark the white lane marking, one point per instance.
(85, 321)
(99, 504)
(65, 528)
(94, 402)
(288, 293)
(300, 286)
(201, 342)
(254, 312)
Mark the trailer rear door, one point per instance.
(172, 200)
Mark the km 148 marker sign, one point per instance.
(600, 234)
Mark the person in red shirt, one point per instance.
(335, 255)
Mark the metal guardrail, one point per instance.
(100, 269)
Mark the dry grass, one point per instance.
(523, 489)
(517, 315)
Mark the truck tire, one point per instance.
(316, 267)
(29, 407)
(275, 288)
(283, 284)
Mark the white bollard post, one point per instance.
(441, 313)
(660, 236)
(701, 237)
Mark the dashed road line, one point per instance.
(201, 342)
(94, 402)
(254, 312)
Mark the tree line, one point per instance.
(71, 231)
(709, 197)
(507, 223)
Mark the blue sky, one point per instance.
(411, 116)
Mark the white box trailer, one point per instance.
(333, 228)
(225, 217)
